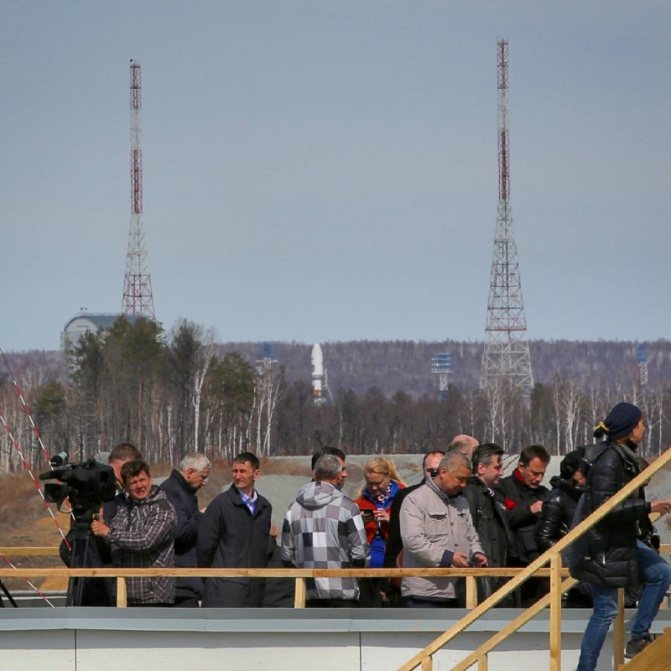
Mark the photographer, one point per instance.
(141, 535)
(92, 552)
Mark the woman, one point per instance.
(610, 555)
(382, 485)
(557, 515)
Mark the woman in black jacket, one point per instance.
(611, 556)
(557, 514)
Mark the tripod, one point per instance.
(85, 591)
(10, 598)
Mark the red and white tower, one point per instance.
(506, 355)
(138, 299)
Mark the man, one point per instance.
(524, 495)
(336, 452)
(181, 488)
(438, 532)
(430, 464)
(141, 535)
(234, 533)
(97, 591)
(488, 511)
(611, 555)
(463, 443)
(323, 529)
(121, 454)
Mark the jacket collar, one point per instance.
(181, 481)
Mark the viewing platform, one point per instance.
(282, 639)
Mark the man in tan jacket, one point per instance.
(438, 532)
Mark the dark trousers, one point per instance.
(331, 603)
(419, 602)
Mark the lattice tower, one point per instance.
(138, 299)
(506, 355)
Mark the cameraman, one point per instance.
(99, 591)
(142, 535)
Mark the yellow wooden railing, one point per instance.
(299, 575)
(423, 659)
(559, 583)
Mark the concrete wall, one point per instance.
(176, 640)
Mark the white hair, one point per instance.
(195, 461)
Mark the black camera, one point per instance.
(86, 485)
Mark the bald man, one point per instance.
(464, 444)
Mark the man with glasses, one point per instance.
(430, 465)
(181, 488)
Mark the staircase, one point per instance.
(655, 657)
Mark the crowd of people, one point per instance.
(463, 513)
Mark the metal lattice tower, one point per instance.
(138, 299)
(506, 356)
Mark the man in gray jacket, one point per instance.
(323, 529)
(438, 532)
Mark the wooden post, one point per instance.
(121, 593)
(299, 598)
(555, 613)
(471, 592)
(618, 632)
(427, 664)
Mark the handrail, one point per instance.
(423, 658)
(25, 551)
(531, 570)
(472, 573)
(299, 575)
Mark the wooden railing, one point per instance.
(299, 575)
(559, 583)
(424, 658)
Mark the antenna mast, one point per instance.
(138, 299)
(506, 354)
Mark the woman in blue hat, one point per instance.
(613, 555)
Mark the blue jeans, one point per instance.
(657, 576)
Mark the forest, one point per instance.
(176, 392)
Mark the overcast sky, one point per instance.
(327, 170)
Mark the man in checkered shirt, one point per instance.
(323, 529)
(142, 535)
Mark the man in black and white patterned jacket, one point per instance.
(323, 529)
(141, 535)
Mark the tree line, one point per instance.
(178, 392)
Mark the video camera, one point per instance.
(86, 485)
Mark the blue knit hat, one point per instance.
(620, 422)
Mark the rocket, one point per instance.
(317, 359)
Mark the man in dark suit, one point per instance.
(234, 534)
(181, 488)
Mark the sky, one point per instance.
(322, 171)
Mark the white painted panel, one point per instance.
(176, 651)
(37, 650)
(521, 652)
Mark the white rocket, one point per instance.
(317, 359)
